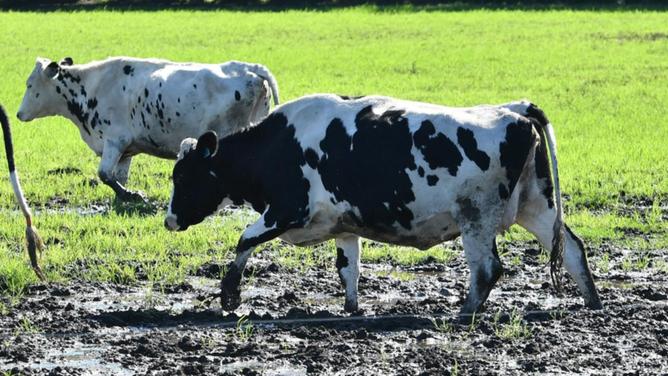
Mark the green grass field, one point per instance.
(601, 77)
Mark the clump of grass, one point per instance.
(442, 325)
(603, 264)
(25, 326)
(244, 329)
(516, 328)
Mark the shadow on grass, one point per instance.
(140, 209)
(380, 6)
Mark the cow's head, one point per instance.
(197, 191)
(41, 97)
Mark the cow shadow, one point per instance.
(140, 208)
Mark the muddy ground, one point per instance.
(296, 325)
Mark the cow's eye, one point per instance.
(29, 86)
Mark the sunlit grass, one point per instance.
(599, 77)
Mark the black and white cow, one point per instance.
(126, 106)
(327, 167)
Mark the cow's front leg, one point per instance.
(348, 266)
(122, 171)
(230, 287)
(111, 155)
(485, 266)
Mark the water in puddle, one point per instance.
(87, 358)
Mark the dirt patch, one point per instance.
(291, 322)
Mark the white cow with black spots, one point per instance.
(328, 167)
(125, 106)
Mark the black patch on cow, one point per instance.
(421, 171)
(195, 86)
(148, 109)
(77, 110)
(469, 211)
(237, 95)
(542, 166)
(153, 142)
(83, 91)
(123, 87)
(341, 259)
(515, 149)
(72, 93)
(467, 141)
(177, 113)
(139, 99)
(58, 89)
(160, 96)
(432, 180)
(503, 191)
(178, 99)
(350, 98)
(67, 75)
(128, 70)
(311, 158)
(36, 95)
(368, 169)
(538, 114)
(145, 92)
(437, 149)
(95, 120)
(160, 113)
(92, 103)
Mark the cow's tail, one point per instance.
(264, 72)
(558, 238)
(33, 240)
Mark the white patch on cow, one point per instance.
(187, 145)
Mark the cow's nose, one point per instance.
(170, 223)
(19, 115)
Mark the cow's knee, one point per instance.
(347, 265)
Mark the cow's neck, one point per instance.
(237, 161)
(77, 97)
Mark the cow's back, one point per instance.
(396, 170)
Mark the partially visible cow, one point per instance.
(34, 242)
(126, 106)
(326, 167)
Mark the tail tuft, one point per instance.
(34, 243)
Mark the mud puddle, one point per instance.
(291, 322)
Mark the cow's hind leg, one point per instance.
(539, 219)
(348, 266)
(485, 266)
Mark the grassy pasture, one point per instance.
(602, 78)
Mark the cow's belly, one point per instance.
(424, 233)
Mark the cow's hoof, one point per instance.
(131, 196)
(350, 307)
(595, 304)
(230, 301)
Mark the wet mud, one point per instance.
(291, 322)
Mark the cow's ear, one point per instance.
(51, 70)
(207, 144)
(67, 61)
